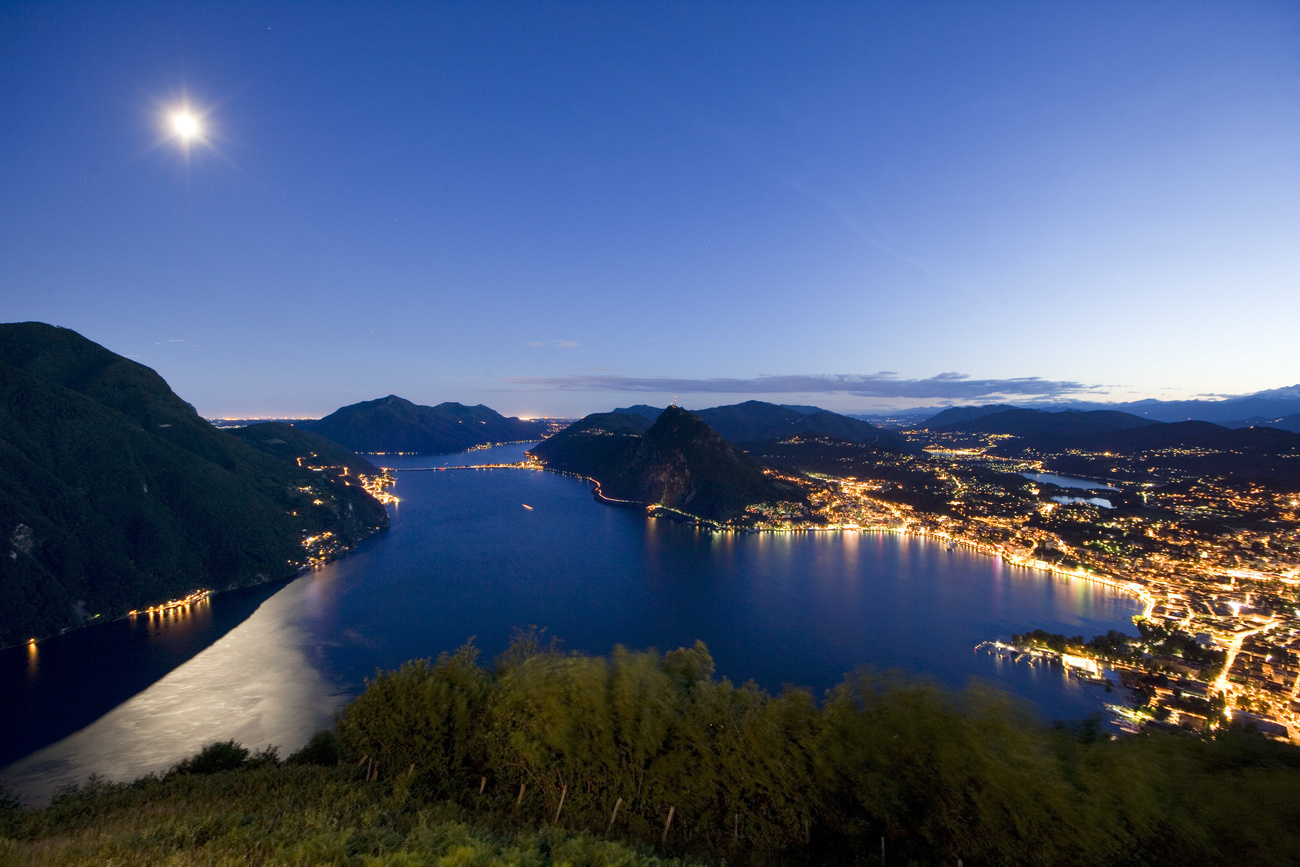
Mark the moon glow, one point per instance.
(185, 125)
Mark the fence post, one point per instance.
(564, 790)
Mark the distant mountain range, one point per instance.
(394, 424)
(115, 495)
(1277, 407)
(677, 461)
(1231, 412)
(1036, 425)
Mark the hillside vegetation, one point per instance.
(546, 750)
(115, 495)
(260, 812)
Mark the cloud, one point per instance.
(944, 386)
(561, 344)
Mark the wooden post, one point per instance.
(564, 790)
(614, 815)
(520, 799)
(736, 834)
(482, 784)
(664, 838)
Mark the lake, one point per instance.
(1069, 482)
(1092, 501)
(480, 553)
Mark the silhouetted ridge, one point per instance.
(394, 424)
(679, 462)
(758, 421)
(956, 414)
(1035, 424)
(649, 412)
(115, 495)
(598, 446)
(1286, 422)
(291, 443)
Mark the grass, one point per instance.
(289, 815)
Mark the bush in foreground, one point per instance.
(553, 758)
(636, 743)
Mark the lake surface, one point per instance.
(465, 557)
(1094, 501)
(1069, 482)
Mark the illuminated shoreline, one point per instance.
(193, 599)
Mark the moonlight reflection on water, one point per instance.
(463, 559)
(256, 686)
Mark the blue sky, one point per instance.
(557, 208)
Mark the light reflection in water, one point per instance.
(463, 559)
(255, 686)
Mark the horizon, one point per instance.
(900, 411)
(559, 209)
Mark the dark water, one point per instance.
(465, 558)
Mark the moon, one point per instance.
(185, 125)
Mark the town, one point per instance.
(1216, 562)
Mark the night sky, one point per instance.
(558, 208)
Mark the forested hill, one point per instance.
(679, 462)
(757, 421)
(115, 495)
(394, 424)
(292, 444)
(1037, 425)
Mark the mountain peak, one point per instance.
(395, 424)
(679, 462)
